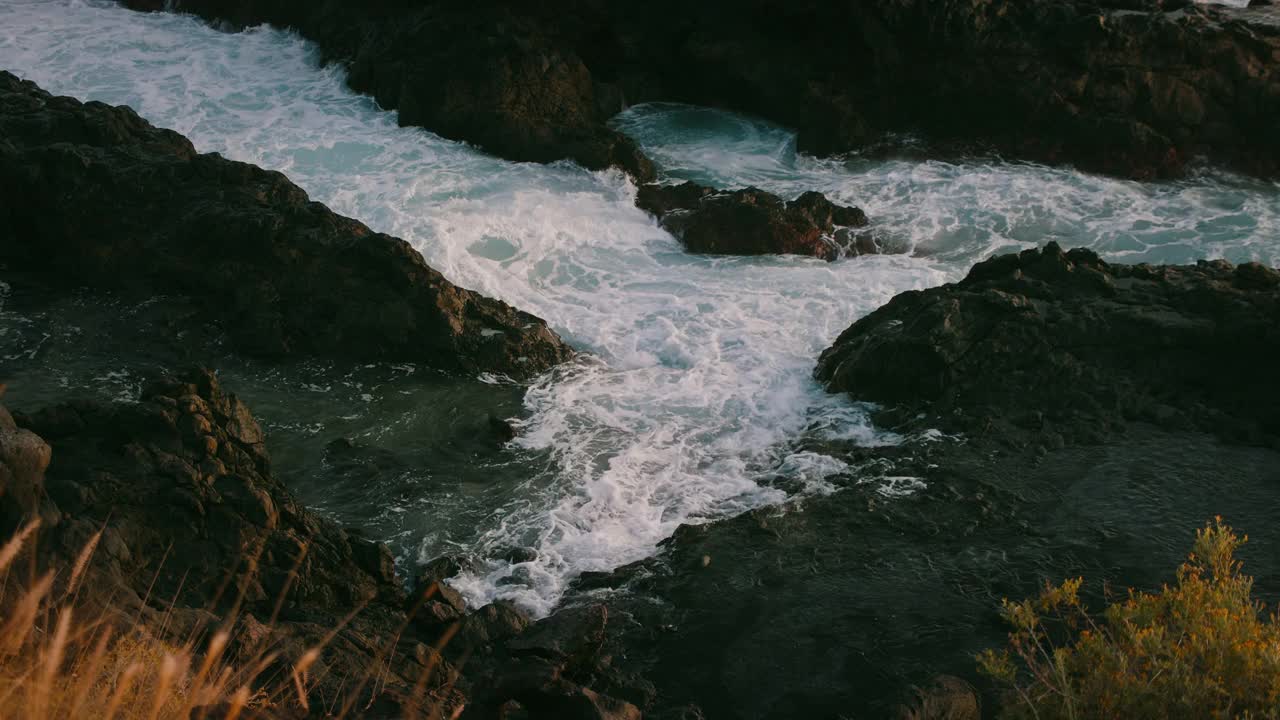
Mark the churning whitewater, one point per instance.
(696, 380)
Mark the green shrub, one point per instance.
(1201, 648)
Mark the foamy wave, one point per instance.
(698, 374)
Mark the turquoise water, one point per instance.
(696, 382)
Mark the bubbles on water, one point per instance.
(696, 381)
(962, 212)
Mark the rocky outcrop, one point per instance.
(94, 195)
(194, 530)
(24, 456)
(1047, 338)
(754, 222)
(510, 79)
(1134, 87)
(842, 604)
(181, 489)
(1102, 411)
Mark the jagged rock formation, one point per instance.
(196, 530)
(1134, 87)
(507, 78)
(1102, 411)
(755, 222)
(94, 195)
(1047, 337)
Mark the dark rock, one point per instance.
(438, 570)
(195, 531)
(360, 463)
(514, 87)
(194, 522)
(1078, 343)
(841, 604)
(539, 688)
(573, 634)
(491, 624)
(134, 207)
(517, 555)
(945, 698)
(754, 222)
(24, 456)
(1135, 87)
(502, 429)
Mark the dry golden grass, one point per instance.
(65, 657)
(62, 657)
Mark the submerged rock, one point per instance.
(97, 196)
(754, 222)
(1047, 337)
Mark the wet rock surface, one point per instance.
(1093, 415)
(196, 528)
(97, 196)
(842, 605)
(1133, 87)
(511, 79)
(1062, 343)
(754, 222)
(181, 487)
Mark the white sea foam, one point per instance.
(698, 375)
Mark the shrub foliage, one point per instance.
(1201, 648)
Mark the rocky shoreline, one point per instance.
(755, 222)
(1072, 347)
(1138, 88)
(98, 197)
(1042, 402)
(1087, 410)
(196, 527)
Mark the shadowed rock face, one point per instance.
(198, 533)
(510, 79)
(754, 222)
(1135, 88)
(94, 195)
(1048, 337)
(1087, 396)
(180, 485)
(1132, 87)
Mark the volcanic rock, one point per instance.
(1133, 87)
(195, 532)
(1047, 337)
(97, 196)
(754, 222)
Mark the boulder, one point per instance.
(24, 456)
(946, 697)
(755, 222)
(197, 532)
(1047, 337)
(133, 207)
